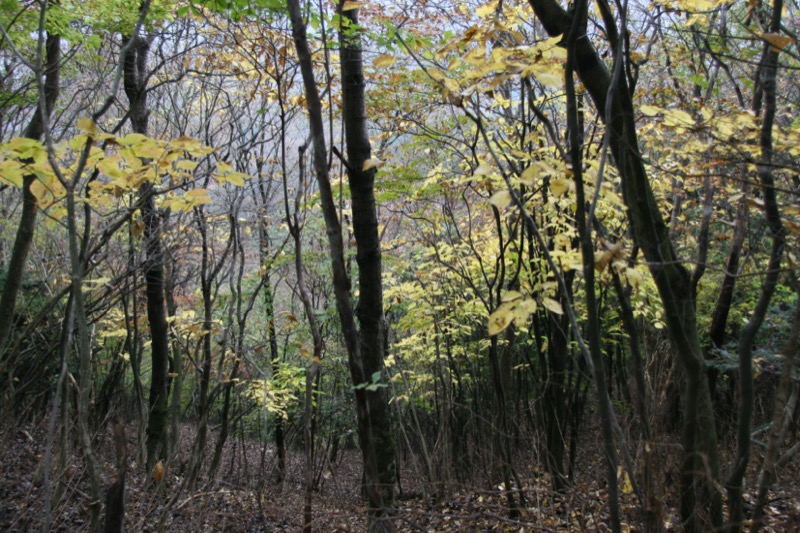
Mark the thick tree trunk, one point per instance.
(701, 502)
(368, 255)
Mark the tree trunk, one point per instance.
(365, 353)
(368, 256)
(767, 72)
(27, 222)
(701, 502)
(135, 80)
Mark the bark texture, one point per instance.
(701, 502)
(135, 81)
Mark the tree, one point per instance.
(611, 95)
(364, 348)
(47, 73)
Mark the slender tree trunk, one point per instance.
(767, 70)
(27, 222)
(135, 80)
(309, 411)
(115, 494)
(584, 223)
(781, 418)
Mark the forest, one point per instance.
(407, 265)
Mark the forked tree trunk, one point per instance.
(365, 349)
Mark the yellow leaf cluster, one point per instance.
(514, 309)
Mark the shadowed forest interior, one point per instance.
(408, 265)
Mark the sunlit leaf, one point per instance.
(553, 306)
(383, 60)
(559, 186)
(500, 319)
(778, 42)
(372, 162)
(500, 199)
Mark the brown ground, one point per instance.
(241, 501)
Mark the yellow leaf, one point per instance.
(58, 213)
(87, 125)
(778, 42)
(186, 164)
(529, 175)
(483, 169)
(523, 310)
(677, 117)
(635, 277)
(383, 60)
(150, 149)
(486, 9)
(624, 480)
(559, 186)
(197, 196)
(500, 199)
(236, 178)
(110, 167)
(553, 306)
(25, 148)
(372, 162)
(500, 319)
(510, 296)
(349, 6)
(42, 194)
(650, 110)
(158, 471)
(550, 78)
(133, 138)
(11, 173)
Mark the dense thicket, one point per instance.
(551, 214)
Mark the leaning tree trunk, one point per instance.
(701, 502)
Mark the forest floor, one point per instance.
(244, 499)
